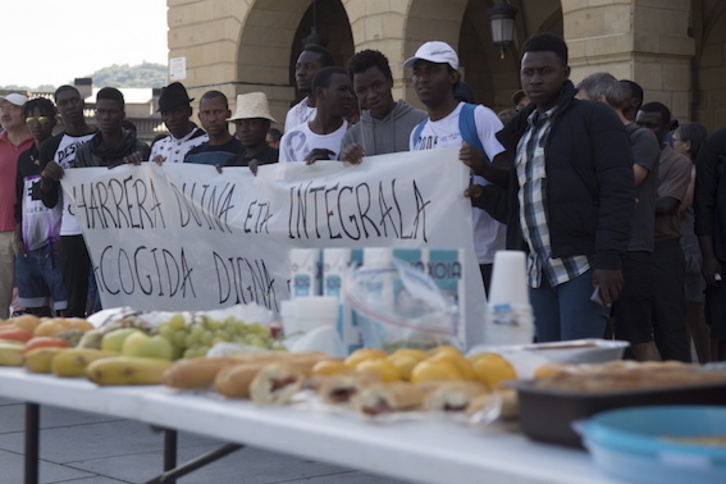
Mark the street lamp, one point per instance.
(501, 17)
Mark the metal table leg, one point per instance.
(32, 442)
(170, 447)
(169, 476)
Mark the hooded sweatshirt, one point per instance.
(388, 135)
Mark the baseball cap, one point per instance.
(14, 98)
(437, 52)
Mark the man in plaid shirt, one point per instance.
(572, 192)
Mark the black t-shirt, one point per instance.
(207, 154)
(265, 157)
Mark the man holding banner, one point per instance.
(468, 126)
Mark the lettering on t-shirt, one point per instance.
(427, 142)
(66, 156)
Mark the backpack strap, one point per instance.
(417, 131)
(467, 127)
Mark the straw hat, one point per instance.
(252, 105)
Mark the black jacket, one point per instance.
(709, 196)
(590, 184)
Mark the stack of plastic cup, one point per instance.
(304, 314)
(509, 317)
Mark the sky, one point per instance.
(55, 41)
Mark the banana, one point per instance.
(39, 360)
(11, 354)
(127, 370)
(73, 362)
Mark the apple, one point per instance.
(141, 344)
(114, 340)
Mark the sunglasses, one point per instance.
(42, 120)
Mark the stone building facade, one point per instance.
(675, 49)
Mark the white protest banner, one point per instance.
(185, 237)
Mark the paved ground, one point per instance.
(86, 448)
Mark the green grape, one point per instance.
(178, 338)
(177, 322)
(190, 340)
(176, 352)
(224, 334)
(207, 338)
(255, 341)
(165, 330)
(256, 328)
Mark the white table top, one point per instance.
(427, 452)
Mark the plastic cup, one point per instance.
(316, 311)
(509, 279)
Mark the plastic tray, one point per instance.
(546, 415)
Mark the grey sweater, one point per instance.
(388, 135)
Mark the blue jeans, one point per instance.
(566, 312)
(40, 279)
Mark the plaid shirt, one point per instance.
(531, 172)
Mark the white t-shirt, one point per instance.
(299, 114)
(65, 156)
(297, 143)
(489, 235)
(174, 150)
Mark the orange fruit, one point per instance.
(27, 321)
(492, 368)
(79, 323)
(458, 360)
(328, 367)
(428, 370)
(447, 349)
(382, 366)
(363, 354)
(51, 327)
(410, 352)
(404, 363)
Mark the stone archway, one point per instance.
(270, 40)
(333, 25)
(494, 79)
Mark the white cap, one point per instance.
(14, 98)
(437, 52)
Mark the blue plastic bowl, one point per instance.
(631, 444)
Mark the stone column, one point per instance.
(643, 40)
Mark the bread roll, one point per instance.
(450, 396)
(381, 398)
(342, 387)
(234, 380)
(194, 373)
(201, 372)
(276, 383)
